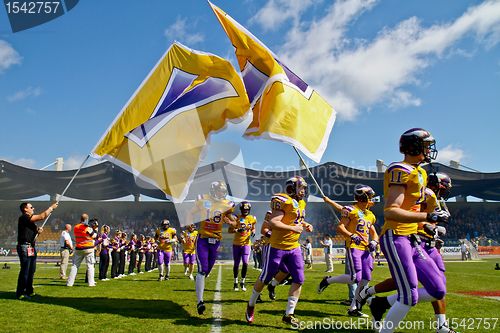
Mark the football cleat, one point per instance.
(242, 286)
(356, 313)
(289, 319)
(235, 287)
(272, 291)
(201, 308)
(378, 306)
(323, 284)
(249, 313)
(445, 329)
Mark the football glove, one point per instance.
(438, 216)
(356, 239)
(372, 246)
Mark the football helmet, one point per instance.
(418, 141)
(218, 190)
(294, 186)
(245, 207)
(440, 183)
(165, 224)
(94, 223)
(363, 193)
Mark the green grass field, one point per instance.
(142, 304)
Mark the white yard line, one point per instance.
(217, 306)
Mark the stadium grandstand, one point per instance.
(100, 191)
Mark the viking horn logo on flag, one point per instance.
(285, 108)
(162, 131)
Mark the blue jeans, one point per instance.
(27, 272)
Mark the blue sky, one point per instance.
(385, 66)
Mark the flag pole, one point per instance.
(315, 182)
(67, 187)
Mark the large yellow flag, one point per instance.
(285, 108)
(162, 131)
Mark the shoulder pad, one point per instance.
(401, 167)
(347, 210)
(281, 197)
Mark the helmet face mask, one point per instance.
(364, 193)
(218, 190)
(296, 187)
(165, 224)
(440, 184)
(245, 207)
(418, 141)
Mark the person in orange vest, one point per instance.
(85, 233)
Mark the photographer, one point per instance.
(85, 234)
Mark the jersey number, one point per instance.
(398, 178)
(361, 226)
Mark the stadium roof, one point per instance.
(107, 181)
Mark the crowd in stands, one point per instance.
(476, 224)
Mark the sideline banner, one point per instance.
(488, 250)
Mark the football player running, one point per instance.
(283, 273)
(287, 223)
(404, 192)
(165, 236)
(438, 188)
(357, 226)
(188, 241)
(213, 210)
(242, 242)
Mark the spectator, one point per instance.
(328, 249)
(66, 249)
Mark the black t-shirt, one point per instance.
(27, 230)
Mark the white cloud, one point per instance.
(25, 162)
(179, 31)
(448, 153)
(355, 74)
(73, 162)
(26, 93)
(402, 99)
(8, 56)
(276, 12)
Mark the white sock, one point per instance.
(242, 280)
(353, 304)
(274, 282)
(392, 299)
(397, 313)
(168, 270)
(200, 286)
(290, 306)
(424, 296)
(339, 279)
(253, 298)
(371, 291)
(236, 280)
(441, 319)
